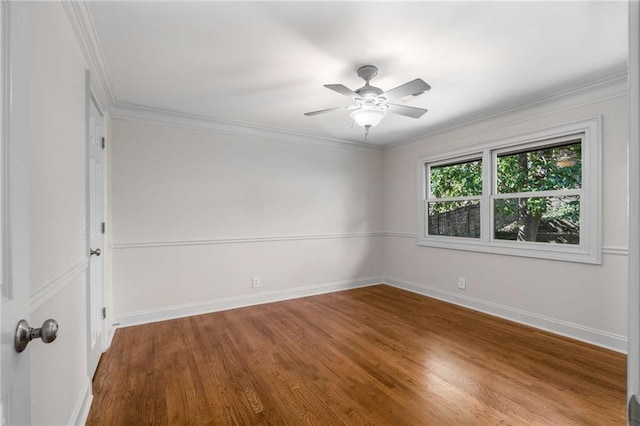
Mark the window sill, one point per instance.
(514, 248)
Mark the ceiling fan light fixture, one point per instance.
(370, 104)
(368, 117)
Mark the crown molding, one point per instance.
(609, 87)
(82, 24)
(84, 29)
(145, 114)
(594, 91)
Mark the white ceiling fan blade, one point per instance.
(407, 111)
(322, 111)
(343, 90)
(414, 87)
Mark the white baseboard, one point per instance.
(563, 328)
(179, 311)
(575, 331)
(83, 405)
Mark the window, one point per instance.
(535, 195)
(454, 198)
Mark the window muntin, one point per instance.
(453, 205)
(575, 148)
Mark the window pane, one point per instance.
(540, 219)
(456, 180)
(454, 218)
(551, 168)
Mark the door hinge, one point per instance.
(103, 227)
(103, 143)
(104, 313)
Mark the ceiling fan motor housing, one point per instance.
(367, 72)
(369, 92)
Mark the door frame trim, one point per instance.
(633, 170)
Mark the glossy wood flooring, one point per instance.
(375, 355)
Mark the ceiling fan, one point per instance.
(370, 104)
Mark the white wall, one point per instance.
(48, 78)
(196, 214)
(584, 301)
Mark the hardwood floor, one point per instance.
(375, 355)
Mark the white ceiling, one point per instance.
(265, 63)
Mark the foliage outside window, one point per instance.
(538, 197)
(547, 182)
(454, 199)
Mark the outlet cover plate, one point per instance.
(462, 283)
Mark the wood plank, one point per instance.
(375, 355)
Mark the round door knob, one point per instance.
(48, 331)
(24, 333)
(97, 252)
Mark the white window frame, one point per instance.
(590, 247)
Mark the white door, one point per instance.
(96, 235)
(14, 232)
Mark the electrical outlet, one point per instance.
(462, 283)
(255, 282)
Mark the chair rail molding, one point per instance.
(241, 240)
(48, 290)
